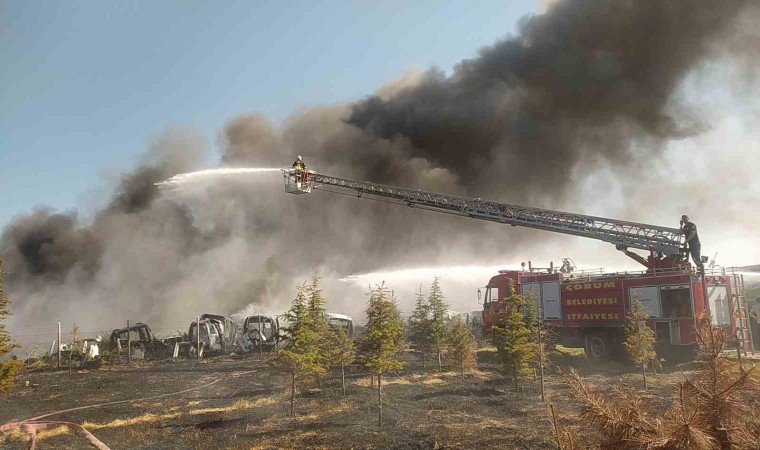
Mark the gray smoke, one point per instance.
(589, 85)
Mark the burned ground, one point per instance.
(247, 407)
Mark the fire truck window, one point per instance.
(649, 296)
(717, 296)
(676, 303)
(494, 294)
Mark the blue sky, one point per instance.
(84, 85)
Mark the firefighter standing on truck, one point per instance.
(689, 229)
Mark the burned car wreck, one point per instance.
(260, 332)
(141, 340)
(218, 334)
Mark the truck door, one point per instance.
(717, 296)
(675, 332)
(550, 303)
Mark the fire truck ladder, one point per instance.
(621, 233)
(741, 314)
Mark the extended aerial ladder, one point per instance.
(665, 245)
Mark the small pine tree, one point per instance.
(419, 327)
(514, 339)
(462, 347)
(10, 367)
(541, 335)
(529, 311)
(383, 339)
(725, 391)
(715, 407)
(438, 326)
(302, 355)
(341, 352)
(318, 324)
(639, 338)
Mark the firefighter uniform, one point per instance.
(695, 247)
(301, 172)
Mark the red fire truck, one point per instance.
(586, 310)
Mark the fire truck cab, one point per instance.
(589, 310)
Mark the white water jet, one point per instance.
(183, 178)
(447, 273)
(424, 273)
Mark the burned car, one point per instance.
(137, 333)
(218, 334)
(342, 321)
(260, 330)
(142, 340)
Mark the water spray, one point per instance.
(418, 273)
(184, 178)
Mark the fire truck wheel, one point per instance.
(597, 347)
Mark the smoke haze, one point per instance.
(558, 116)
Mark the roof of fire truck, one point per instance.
(601, 274)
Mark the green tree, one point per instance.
(544, 335)
(341, 351)
(462, 347)
(383, 339)
(639, 338)
(529, 310)
(513, 337)
(301, 356)
(419, 327)
(9, 368)
(438, 326)
(315, 303)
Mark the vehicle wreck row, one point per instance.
(210, 334)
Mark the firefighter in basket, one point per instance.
(300, 169)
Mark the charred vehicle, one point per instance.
(137, 334)
(218, 334)
(342, 321)
(473, 319)
(260, 330)
(140, 337)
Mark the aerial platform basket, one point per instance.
(298, 181)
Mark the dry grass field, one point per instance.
(246, 407)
